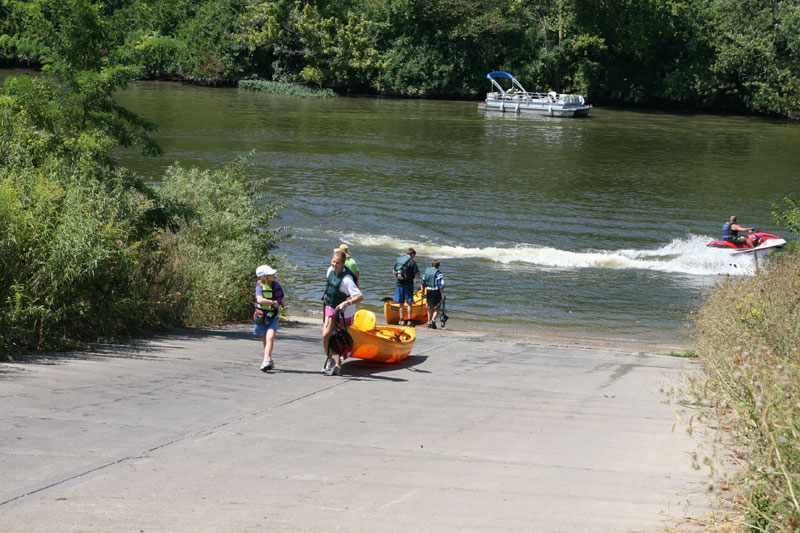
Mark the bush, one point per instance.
(748, 339)
(288, 89)
(221, 241)
(160, 56)
(78, 257)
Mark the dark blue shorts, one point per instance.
(404, 293)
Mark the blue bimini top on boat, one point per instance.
(500, 74)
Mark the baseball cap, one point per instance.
(264, 270)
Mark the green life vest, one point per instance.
(430, 278)
(333, 296)
(266, 292)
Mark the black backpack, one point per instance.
(340, 343)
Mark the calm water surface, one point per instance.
(590, 226)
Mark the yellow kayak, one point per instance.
(419, 312)
(387, 344)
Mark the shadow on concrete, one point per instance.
(96, 353)
(365, 369)
(139, 348)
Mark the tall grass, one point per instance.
(288, 89)
(748, 339)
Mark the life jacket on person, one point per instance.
(729, 234)
(333, 296)
(430, 278)
(268, 293)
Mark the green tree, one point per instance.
(756, 55)
(213, 54)
(448, 50)
(69, 103)
(312, 42)
(71, 31)
(638, 45)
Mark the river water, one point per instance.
(592, 226)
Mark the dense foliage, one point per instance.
(89, 250)
(289, 89)
(748, 340)
(708, 53)
(217, 248)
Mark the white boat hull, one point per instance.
(540, 108)
(763, 248)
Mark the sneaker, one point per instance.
(266, 365)
(337, 371)
(432, 325)
(326, 369)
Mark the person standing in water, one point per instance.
(269, 298)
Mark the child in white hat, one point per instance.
(269, 297)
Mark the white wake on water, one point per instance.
(687, 255)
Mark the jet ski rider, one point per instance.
(730, 233)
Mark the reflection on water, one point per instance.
(586, 225)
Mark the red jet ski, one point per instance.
(762, 241)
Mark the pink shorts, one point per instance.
(329, 312)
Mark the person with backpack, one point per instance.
(269, 298)
(405, 270)
(433, 286)
(341, 294)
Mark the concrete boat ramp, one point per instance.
(182, 432)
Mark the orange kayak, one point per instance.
(386, 344)
(419, 312)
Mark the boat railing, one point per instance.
(550, 98)
(519, 95)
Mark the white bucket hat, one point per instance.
(264, 270)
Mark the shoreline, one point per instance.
(586, 340)
(675, 108)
